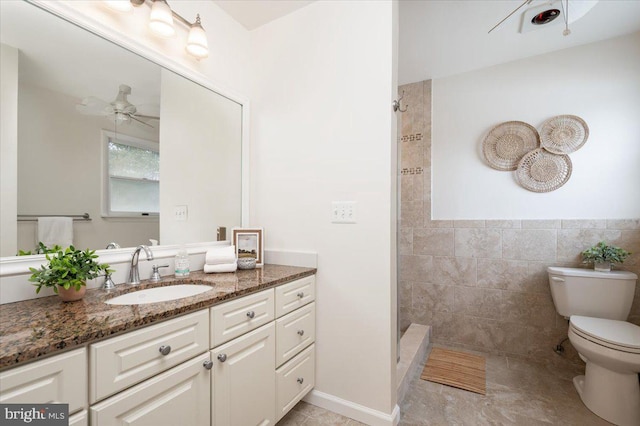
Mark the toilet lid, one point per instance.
(614, 334)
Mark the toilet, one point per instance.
(597, 305)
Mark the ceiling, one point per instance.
(253, 14)
(446, 37)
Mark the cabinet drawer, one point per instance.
(120, 362)
(57, 380)
(295, 332)
(233, 319)
(294, 380)
(290, 297)
(180, 396)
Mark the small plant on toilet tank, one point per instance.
(603, 256)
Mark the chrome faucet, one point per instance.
(113, 245)
(134, 275)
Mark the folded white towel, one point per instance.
(55, 230)
(212, 269)
(220, 255)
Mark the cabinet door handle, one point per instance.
(300, 380)
(222, 357)
(301, 332)
(207, 364)
(300, 295)
(164, 349)
(251, 314)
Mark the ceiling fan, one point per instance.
(568, 10)
(120, 109)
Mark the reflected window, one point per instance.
(132, 176)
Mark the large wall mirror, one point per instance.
(167, 169)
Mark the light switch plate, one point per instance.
(343, 212)
(180, 213)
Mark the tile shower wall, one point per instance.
(482, 284)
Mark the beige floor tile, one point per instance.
(519, 393)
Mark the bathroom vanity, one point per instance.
(242, 353)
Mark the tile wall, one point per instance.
(482, 284)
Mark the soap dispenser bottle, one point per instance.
(182, 263)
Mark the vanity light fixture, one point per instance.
(161, 19)
(119, 5)
(197, 40)
(161, 23)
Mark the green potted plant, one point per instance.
(67, 272)
(603, 256)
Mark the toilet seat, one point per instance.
(618, 335)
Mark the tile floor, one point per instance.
(519, 392)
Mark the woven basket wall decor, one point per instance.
(542, 171)
(563, 134)
(507, 143)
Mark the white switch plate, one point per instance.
(343, 212)
(180, 213)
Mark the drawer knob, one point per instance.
(300, 380)
(222, 357)
(300, 295)
(301, 332)
(207, 364)
(251, 314)
(165, 349)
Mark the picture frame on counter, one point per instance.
(249, 242)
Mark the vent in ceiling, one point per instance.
(552, 13)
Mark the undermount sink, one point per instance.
(159, 294)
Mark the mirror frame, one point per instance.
(17, 265)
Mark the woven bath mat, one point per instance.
(458, 369)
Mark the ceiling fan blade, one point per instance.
(139, 121)
(93, 106)
(148, 117)
(509, 15)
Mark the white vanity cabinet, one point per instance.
(244, 362)
(61, 379)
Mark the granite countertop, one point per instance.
(35, 328)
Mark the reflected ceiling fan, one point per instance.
(121, 110)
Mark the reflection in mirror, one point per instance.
(92, 118)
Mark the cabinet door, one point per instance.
(244, 380)
(233, 319)
(59, 379)
(294, 332)
(79, 419)
(180, 396)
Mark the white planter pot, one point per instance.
(602, 266)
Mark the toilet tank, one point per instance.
(589, 293)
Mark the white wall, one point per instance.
(323, 130)
(60, 158)
(200, 163)
(599, 82)
(8, 148)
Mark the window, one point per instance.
(132, 178)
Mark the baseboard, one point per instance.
(352, 410)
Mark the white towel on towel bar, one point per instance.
(55, 230)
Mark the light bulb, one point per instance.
(161, 19)
(197, 40)
(119, 5)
